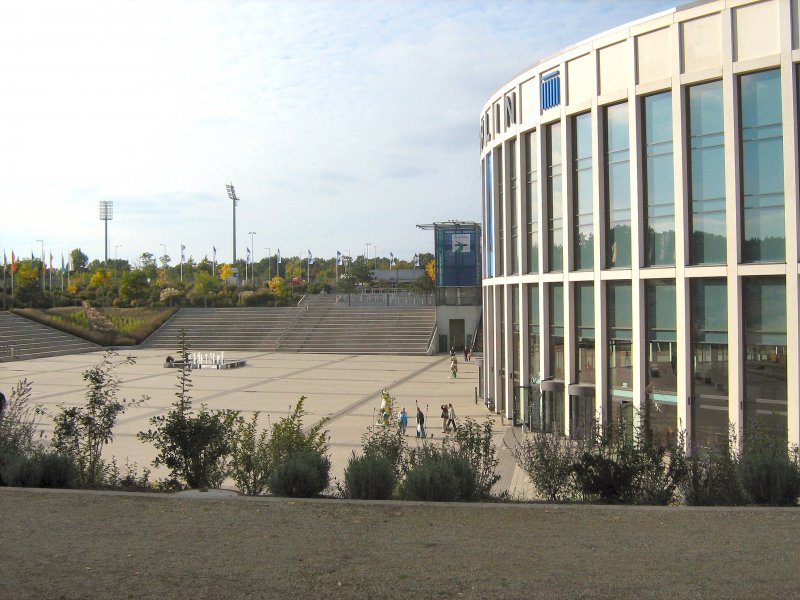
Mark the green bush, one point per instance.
(302, 474)
(439, 474)
(369, 477)
(19, 470)
(475, 443)
(250, 463)
(607, 477)
(432, 481)
(767, 474)
(57, 470)
(711, 476)
(387, 442)
(548, 461)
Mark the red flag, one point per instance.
(13, 262)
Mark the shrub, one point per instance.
(83, 431)
(432, 481)
(440, 474)
(19, 422)
(711, 476)
(369, 477)
(19, 470)
(387, 442)
(250, 464)
(475, 443)
(607, 476)
(57, 470)
(287, 436)
(302, 474)
(548, 462)
(767, 474)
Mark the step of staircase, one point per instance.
(24, 339)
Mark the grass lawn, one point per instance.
(72, 544)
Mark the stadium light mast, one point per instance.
(235, 200)
(106, 215)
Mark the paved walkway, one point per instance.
(344, 388)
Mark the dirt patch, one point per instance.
(65, 544)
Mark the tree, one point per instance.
(83, 431)
(430, 269)
(133, 285)
(225, 271)
(78, 260)
(100, 278)
(347, 283)
(193, 446)
(361, 271)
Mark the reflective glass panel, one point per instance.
(662, 347)
(763, 236)
(709, 402)
(764, 311)
(557, 331)
(501, 213)
(584, 332)
(707, 174)
(618, 187)
(620, 371)
(659, 181)
(515, 292)
(532, 201)
(582, 183)
(555, 216)
(533, 331)
(512, 165)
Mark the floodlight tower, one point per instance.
(235, 200)
(106, 215)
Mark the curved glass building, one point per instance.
(640, 209)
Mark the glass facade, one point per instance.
(709, 348)
(501, 212)
(620, 357)
(659, 185)
(556, 311)
(584, 332)
(533, 331)
(501, 363)
(555, 216)
(618, 187)
(763, 234)
(662, 359)
(514, 210)
(582, 222)
(515, 338)
(764, 320)
(532, 201)
(706, 174)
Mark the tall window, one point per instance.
(501, 363)
(584, 332)
(620, 373)
(512, 151)
(764, 308)
(501, 212)
(709, 406)
(582, 183)
(555, 216)
(763, 237)
(552, 410)
(532, 201)
(662, 362)
(533, 331)
(659, 184)
(515, 292)
(618, 187)
(489, 203)
(707, 174)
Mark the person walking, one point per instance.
(453, 368)
(420, 423)
(466, 353)
(451, 417)
(403, 420)
(444, 417)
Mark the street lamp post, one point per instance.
(42, 243)
(106, 215)
(235, 201)
(252, 254)
(366, 254)
(115, 259)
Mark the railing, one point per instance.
(387, 298)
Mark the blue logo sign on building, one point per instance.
(550, 90)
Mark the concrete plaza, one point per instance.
(344, 388)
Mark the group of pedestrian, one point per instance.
(448, 418)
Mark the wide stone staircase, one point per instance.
(329, 325)
(23, 339)
(215, 329)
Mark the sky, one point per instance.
(340, 123)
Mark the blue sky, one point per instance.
(338, 122)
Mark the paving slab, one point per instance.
(344, 388)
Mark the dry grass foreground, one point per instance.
(71, 544)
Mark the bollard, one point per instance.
(476, 394)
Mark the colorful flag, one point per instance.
(416, 260)
(214, 248)
(63, 266)
(338, 258)
(310, 258)
(279, 256)
(391, 259)
(248, 255)
(13, 263)
(5, 260)
(51, 260)
(183, 256)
